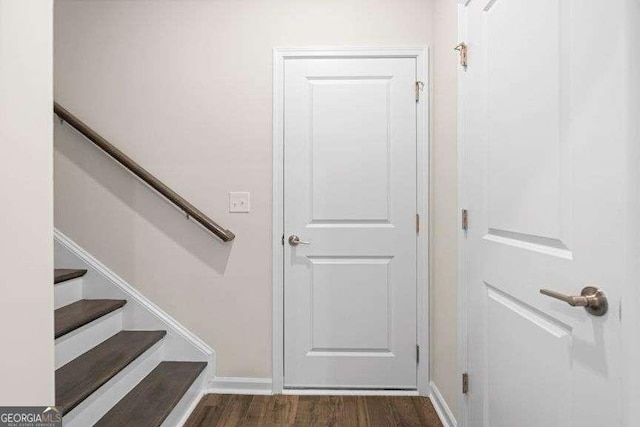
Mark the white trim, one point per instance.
(441, 407)
(235, 385)
(347, 392)
(463, 403)
(423, 171)
(277, 328)
(190, 410)
(182, 411)
(173, 327)
(361, 52)
(422, 61)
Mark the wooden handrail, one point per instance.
(190, 210)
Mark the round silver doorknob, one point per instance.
(295, 241)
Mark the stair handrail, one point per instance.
(180, 202)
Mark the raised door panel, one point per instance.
(350, 150)
(527, 137)
(529, 360)
(350, 307)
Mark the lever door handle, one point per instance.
(591, 298)
(295, 241)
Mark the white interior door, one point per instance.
(350, 197)
(543, 156)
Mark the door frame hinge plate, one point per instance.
(465, 219)
(419, 88)
(465, 383)
(462, 49)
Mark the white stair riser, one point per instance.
(103, 399)
(65, 293)
(83, 339)
(180, 414)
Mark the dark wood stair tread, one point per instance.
(76, 380)
(79, 313)
(153, 399)
(64, 274)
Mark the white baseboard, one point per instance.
(232, 385)
(347, 392)
(190, 410)
(441, 407)
(187, 404)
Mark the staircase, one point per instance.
(110, 376)
(120, 359)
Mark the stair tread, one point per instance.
(76, 380)
(153, 399)
(64, 274)
(79, 313)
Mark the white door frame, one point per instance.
(463, 407)
(280, 55)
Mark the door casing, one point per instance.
(280, 55)
(461, 303)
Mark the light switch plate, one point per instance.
(239, 202)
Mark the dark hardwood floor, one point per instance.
(302, 411)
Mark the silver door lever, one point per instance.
(295, 241)
(591, 298)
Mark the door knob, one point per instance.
(295, 241)
(591, 298)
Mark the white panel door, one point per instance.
(350, 197)
(542, 178)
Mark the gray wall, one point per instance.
(185, 88)
(26, 216)
(445, 218)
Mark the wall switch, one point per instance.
(239, 201)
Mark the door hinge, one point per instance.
(462, 48)
(465, 219)
(417, 223)
(465, 383)
(417, 354)
(419, 88)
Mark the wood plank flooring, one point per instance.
(301, 411)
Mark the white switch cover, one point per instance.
(239, 201)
